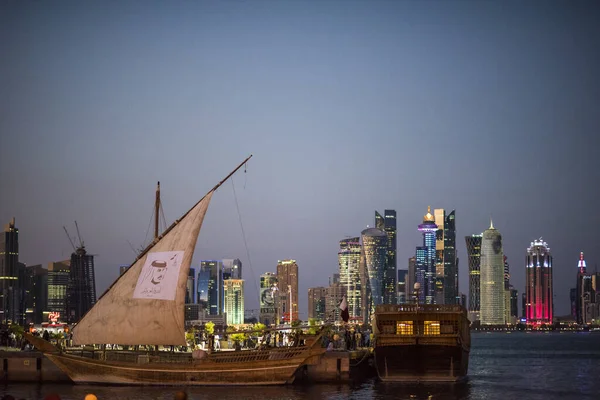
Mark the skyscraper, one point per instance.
(389, 276)
(268, 298)
(58, 280)
(374, 257)
(317, 299)
(514, 303)
(210, 287)
(440, 216)
(232, 268)
(11, 296)
(349, 268)
(410, 279)
(287, 278)
(190, 287)
(402, 276)
(492, 278)
(451, 293)
(539, 283)
(580, 288)
(426, 257)
(507, 315)
(474, 258)
(81, 290)
(36, 293)
(333, 297)
(234, 301)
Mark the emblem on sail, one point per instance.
(158, 279)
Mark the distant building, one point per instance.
(210, 287)
(192, 312)
(410, 280)
(446, 262)
(426, 258)
(58, 281)
(581, 289)
(507, 316)
(36, 294)
(573, 298)
(317, 299)
(374, 259)
(268, 298)
(12, 303)
(287, 278)
(474, 258)
(190, 287)
(402, 276)
(514, 303)
(81, 290)
(334, 295)
(387, 223)
(349, 273)
(539, 292)
(492, 278)
(232, 268)
(234, 301)
(335, 278)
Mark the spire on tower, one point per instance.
(491, 224)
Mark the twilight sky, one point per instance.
(489, 108)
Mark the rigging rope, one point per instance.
(245, 243)
(149, 225)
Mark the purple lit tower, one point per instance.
(426, 258)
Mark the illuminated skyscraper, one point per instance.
(426, 257)
(269, 293)
(507, 316)
(374, 251)
(387, 223)
(210, 287)
(58, 280)
(538, 285)
(287, 278)
(492, 278)
(474, 258)
(234, 301)
(349, 267)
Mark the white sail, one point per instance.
(146, 304)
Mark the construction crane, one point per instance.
(79, 235)
(69, 237)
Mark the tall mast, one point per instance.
(156, 210)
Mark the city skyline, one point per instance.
(487, 109)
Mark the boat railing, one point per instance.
(394, 308)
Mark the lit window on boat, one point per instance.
(404, 328)
(432, 327)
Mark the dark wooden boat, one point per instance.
(421, 343)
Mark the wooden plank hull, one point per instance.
(200, 373)
(421, 363)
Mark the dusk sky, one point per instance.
(488, 108)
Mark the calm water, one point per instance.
(502, 366)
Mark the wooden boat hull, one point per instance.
(421, 363)
(198, 373)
